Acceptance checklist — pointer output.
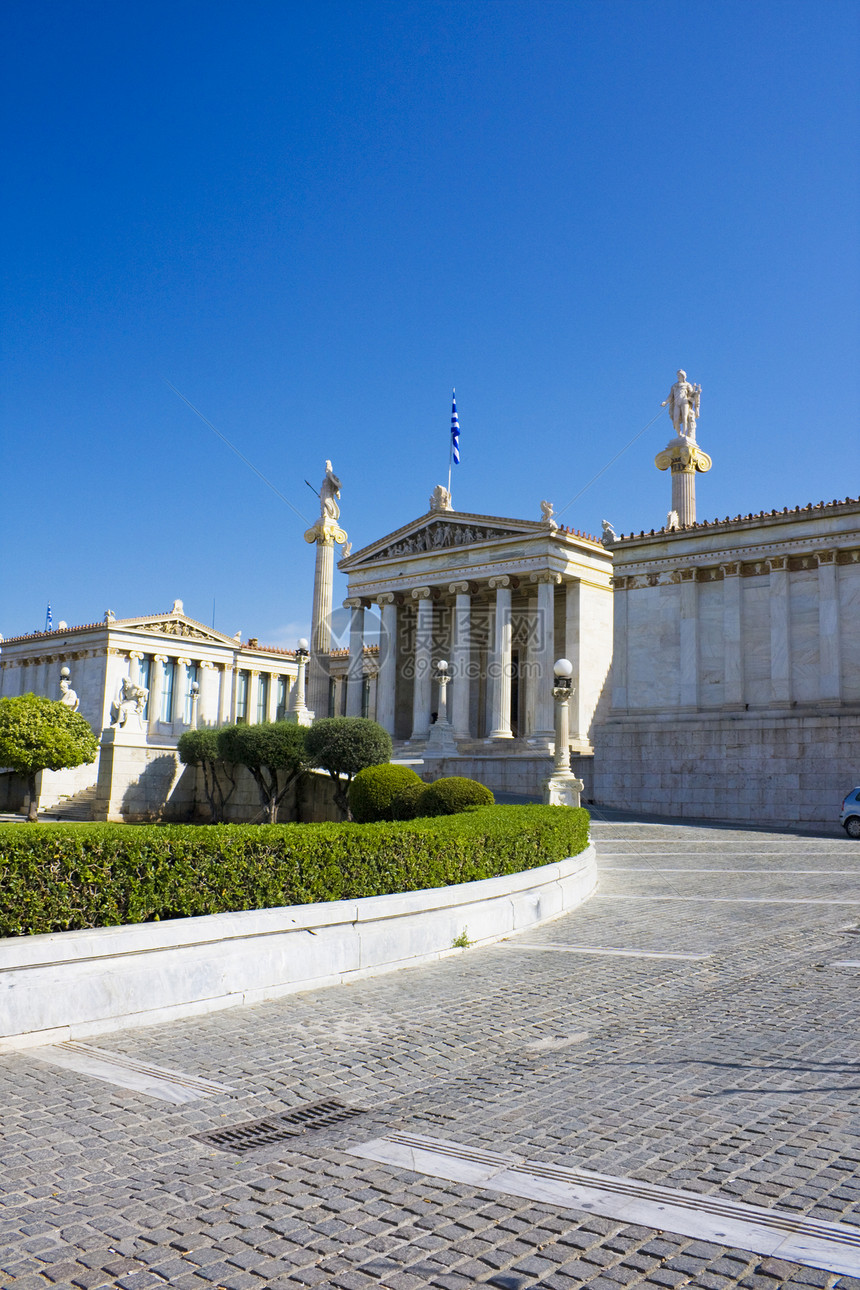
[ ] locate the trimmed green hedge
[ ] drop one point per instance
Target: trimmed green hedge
(59, 877)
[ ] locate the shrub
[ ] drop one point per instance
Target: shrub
(274, 753)
(343, 746)
(200, 748)
(39, 734)
(405, 803)
(59, 877)
(454, 794)
(373, 790)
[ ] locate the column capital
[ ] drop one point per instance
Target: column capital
(135, 653)
(184, 662)
(545, 575)
(422, 593)
(205, 663)
(386, 598)
(776, 563)
(825, 557)
(502, 580)
(354, 602)
(732, 569)
(160, 658)
(326, 534)
(619, 582)
(462, 588)
(687, 575)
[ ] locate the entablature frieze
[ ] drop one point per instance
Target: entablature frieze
(663, 572)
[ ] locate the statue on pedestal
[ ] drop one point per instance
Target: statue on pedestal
(683, 404)
(128, 707)
(68, 697)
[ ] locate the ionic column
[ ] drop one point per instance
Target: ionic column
(180, 691)
(780, 667)
(272, 698)
(461, 657)
(208, 704)
(733, 672)
(544, 653)
(134, 657)
(501, 665)
(386, 685)
(829, 659)
(253, 694)
(423, 663)
(577, 719)
(225, 698)
(326, 534)
(355, 671)
(158, 662)
(689, 639)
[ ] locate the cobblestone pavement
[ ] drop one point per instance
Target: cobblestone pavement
(736, 1074)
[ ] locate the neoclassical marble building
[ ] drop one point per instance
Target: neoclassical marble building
(498, 600)
(190, 674)
(736, 668)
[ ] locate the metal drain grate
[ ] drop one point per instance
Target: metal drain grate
(278, 1128)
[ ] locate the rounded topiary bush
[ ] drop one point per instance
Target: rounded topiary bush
(405, 804)
(373, 790)
(452, 794)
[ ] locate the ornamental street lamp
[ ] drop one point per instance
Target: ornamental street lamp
(195, 696)
(562, 788)
(441, 741)
(299, 713)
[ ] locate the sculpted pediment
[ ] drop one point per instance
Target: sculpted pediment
(440, 532)
(176, 626)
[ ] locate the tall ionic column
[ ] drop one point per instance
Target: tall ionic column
(500, 727)
(423, 663)
(461, 657)
(780, 666)
(733, 668)
(272, 697)
(134, 657)
(387, 683)
(829, 659)
(684, 459)
(158, 662)
(355, 672)
(544, 654)
(327, 534)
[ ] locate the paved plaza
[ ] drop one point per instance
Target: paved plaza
(718, 1055)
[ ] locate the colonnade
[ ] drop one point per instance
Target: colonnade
(493, 634)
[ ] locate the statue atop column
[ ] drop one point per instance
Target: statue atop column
(682, 456)
(683, 404)
(325, 534)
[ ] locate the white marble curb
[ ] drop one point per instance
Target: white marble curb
(68, 985)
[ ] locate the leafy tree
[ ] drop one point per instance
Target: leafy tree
(200, 748)
(39, 734)
(274, 753)
(343, 746)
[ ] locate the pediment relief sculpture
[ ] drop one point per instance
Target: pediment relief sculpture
(177, 627)
(441, 537)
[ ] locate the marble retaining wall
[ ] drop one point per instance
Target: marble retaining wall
(783, 770)
(69, 985)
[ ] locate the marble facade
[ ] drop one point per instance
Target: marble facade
(166, 654)
(736, 668)
(498, 599)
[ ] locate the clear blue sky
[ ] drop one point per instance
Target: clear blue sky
(315, 219)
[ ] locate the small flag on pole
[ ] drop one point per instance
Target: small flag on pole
(49, 622)
(455, 430)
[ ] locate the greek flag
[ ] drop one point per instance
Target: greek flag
(49, 622)
(455, 430)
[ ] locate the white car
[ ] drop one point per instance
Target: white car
(850, 817)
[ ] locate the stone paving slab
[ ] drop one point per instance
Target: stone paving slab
(735, 1075)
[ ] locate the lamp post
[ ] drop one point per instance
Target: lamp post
(441, 741)
(562, 788)
(299, 713)
(195, 697)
